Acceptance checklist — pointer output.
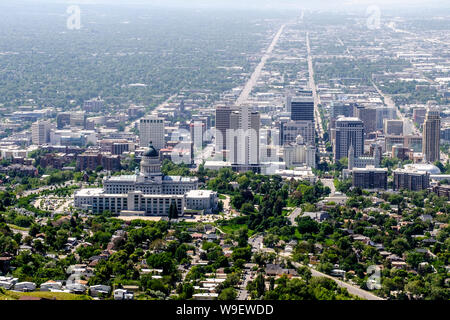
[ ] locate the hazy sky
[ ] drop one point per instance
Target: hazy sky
(271, 3)
(326, 5)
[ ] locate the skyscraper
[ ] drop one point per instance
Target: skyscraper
(40, 132)
(292, 129)
(384, 113)
(419, 114)
(243, 139)
(78, 119)
(369, 117)
(63, 119)
(342, 109)
(302, 108)
(222, 125)
(349, 132)
(431, 135)
(394, 127)
(151, 129)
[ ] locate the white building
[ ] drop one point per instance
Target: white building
(299, 154)
(25, 286)
(147, 192)
(121, 294)
(73, 137)
(299, 173)
(201, 200)
(50, 285)
(151, 129)
(40, 132)
(363, 161)
(305, 128)
(243, 137)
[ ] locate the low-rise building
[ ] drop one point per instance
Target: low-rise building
(201, 200)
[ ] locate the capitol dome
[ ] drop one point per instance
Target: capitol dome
(151, 152)
(150, 163)
(424, 167)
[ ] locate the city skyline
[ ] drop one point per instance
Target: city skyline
(221, 151)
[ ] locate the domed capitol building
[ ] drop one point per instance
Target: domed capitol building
(147, 192)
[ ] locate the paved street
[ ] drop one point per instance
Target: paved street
(243, 293)
(255, 75)
(351, 289)
(29, 192)
(293, 215)
(329, 183)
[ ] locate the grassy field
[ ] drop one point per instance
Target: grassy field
(13, 226)
(12, 295)
(232, 228)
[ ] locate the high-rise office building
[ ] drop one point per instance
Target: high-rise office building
(243, 139)
(78, 119)
(342, 109)
(408, 141)
(349, 132)
(62, 120)
(292, 129)
(302, 108)
(288, 103)
(419, 114)
(151, 129)
(40, 132)
(384, 113)
(369, 117)
(445, 134)
(222, 126)
(394, 127)
(431, 135)
(197, 129)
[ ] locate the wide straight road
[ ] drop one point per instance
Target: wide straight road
(330, 184)
(154, 111)
(312, 85)
(243, 97)
(408, 125)
(317, 117)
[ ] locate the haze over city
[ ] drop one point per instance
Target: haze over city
(216, 150)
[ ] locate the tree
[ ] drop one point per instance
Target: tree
(247, 208)
(242, 237)
(173, 211)
(271, 240)
(242, 253)
(260, 285)
(228, 294)
(162, 260)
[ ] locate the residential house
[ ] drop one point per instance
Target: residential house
(25, 286)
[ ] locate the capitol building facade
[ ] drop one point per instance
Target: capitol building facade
(148, 192)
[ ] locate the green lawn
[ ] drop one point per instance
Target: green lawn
(12, 295)
(231, 228)
(13, 226)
